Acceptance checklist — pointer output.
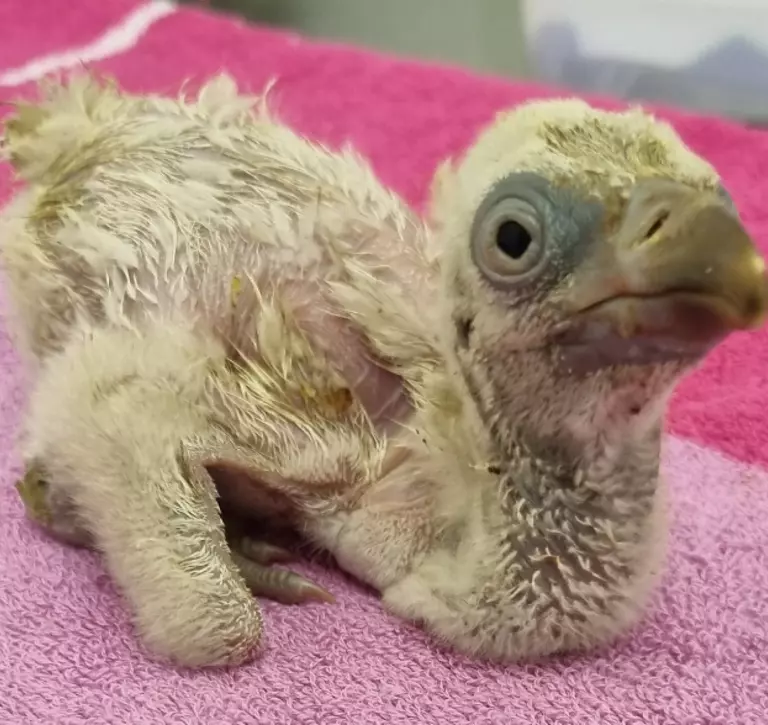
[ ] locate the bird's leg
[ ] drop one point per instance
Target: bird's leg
(253, 559)
(57, 515)
(252, 553)
(109, 422)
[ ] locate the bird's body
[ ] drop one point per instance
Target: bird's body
(207, 292)
(185, 211)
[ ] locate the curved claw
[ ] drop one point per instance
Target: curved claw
(278, 584)
(261, 552)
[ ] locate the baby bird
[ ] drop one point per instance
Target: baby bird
(468, 416)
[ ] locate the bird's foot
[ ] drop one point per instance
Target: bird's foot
(254, 559)
(50, 509)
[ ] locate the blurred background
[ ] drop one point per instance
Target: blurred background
(706, 55)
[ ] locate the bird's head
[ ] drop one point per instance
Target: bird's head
(591, 259)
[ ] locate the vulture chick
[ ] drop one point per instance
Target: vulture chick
(225, 316)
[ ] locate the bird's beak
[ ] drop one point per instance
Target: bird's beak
(678, 275)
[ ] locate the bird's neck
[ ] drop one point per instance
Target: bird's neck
(610, 468)
(585, 507)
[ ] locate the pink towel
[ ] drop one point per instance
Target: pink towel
(67, 654)
(31, 29)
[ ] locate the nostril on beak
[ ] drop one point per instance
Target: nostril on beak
(656, 226)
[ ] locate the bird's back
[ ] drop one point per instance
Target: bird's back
(205, 211)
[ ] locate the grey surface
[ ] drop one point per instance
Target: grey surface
(729, 78)
(486, 35)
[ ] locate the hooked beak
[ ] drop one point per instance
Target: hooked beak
(680, 275)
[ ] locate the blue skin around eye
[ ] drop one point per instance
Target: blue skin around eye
(570, 225)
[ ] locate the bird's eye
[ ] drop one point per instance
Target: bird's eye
(507, 242)
(513, 239)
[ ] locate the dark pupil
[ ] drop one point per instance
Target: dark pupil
(513, 239)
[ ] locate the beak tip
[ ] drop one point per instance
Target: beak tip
(757, 302)
(744, 293)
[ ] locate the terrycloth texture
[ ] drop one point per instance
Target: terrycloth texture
(31, 29)
(67, 654)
